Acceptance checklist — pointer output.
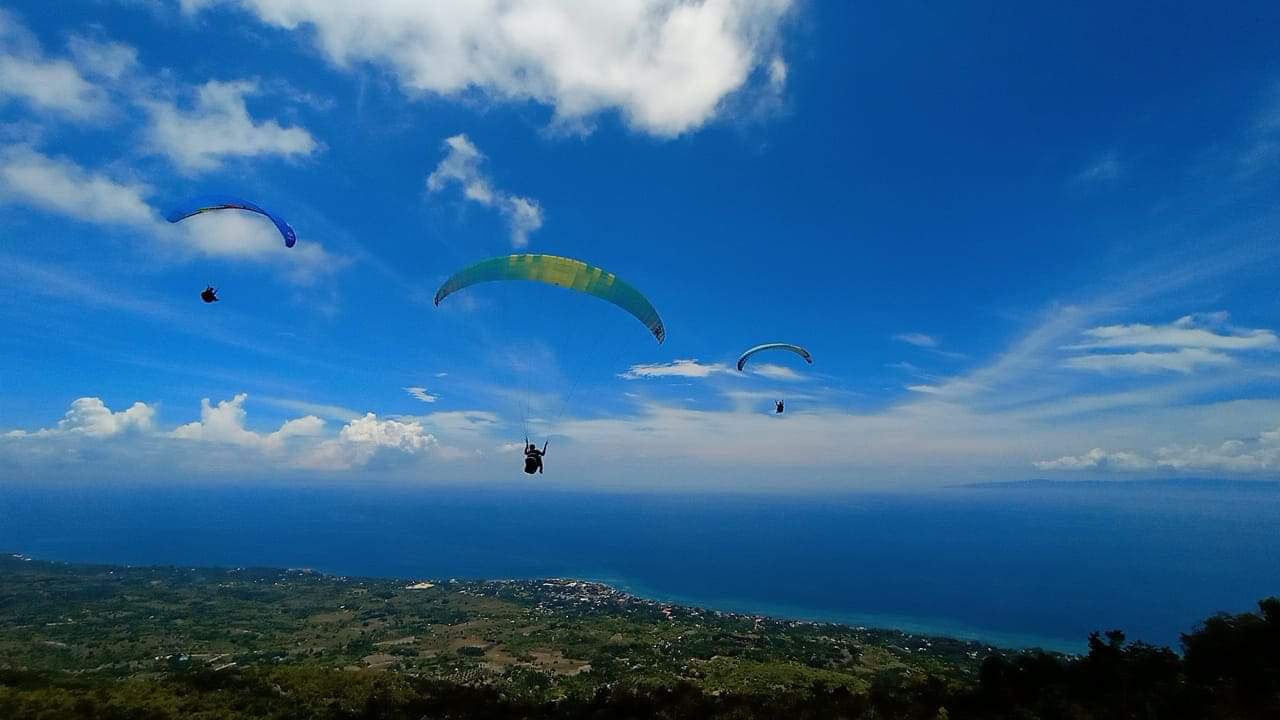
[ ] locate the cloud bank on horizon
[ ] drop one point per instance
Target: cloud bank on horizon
(1114, 317)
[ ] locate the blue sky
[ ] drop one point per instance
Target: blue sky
(1018, 242)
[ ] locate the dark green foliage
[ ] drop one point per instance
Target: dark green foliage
(1230, 669)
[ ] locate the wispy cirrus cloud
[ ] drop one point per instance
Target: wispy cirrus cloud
(1185, 360)
(1105, 169)
(927, 343)
(420, 393)
(917, 339)
(1190, 331)
(1187, 344)
(775, 372)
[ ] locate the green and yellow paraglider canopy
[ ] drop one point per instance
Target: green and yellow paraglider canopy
(563, 272)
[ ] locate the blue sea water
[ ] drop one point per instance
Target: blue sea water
(1015, 565)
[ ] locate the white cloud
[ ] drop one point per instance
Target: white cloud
(777, 73)
(45, 84)
(222, 439)
(667, 67)
(225, 423)
(1259, 454)
(110, 60)
(219, 126)
(917, 339)
(1186, 360)
(1262, 148)
(677, 368)
(302, 442)
(59, 185)
(368, 439)
(1098, 459)
(91, 417)
(461, 167)
(421, 393)
(1186, 332)
(409, 437)
(1105, 169)
(775, 372)
(1186, 345)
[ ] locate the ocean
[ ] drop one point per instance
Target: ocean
(1038, 564)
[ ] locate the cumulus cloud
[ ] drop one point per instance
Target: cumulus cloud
(1098, 459)
(225, 423)
(90, 416)
(1259, 454)
(409, 437)
(45, 84)
(303, 442)
(61, 186)
(666, 67)
(678, 368)
(421, 393)
(461, 167)
(367, 440)
(219, 126)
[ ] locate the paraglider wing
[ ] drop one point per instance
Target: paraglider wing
(742, 361)
(563, 272)
(226, 202)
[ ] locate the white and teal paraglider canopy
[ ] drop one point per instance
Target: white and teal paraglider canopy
(742, 361)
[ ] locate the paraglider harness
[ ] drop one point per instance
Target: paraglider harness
(210, 294)
(533, 457)
(779, 408)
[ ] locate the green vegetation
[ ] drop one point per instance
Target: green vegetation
(115, 642)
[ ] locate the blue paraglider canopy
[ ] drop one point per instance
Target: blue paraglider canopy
(210, 203)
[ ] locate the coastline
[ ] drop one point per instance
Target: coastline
(916, 626)
(921, 628)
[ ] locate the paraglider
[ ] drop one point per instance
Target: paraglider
(226, 202)
(562, 272)
(778, 406)
(533, 457)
